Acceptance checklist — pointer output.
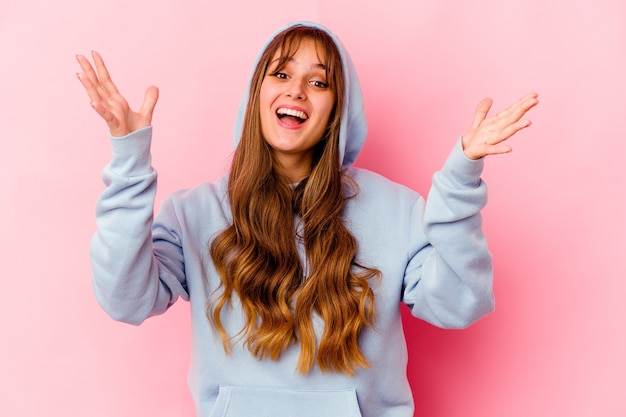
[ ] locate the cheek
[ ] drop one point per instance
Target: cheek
(265, 104)
(328, 109)
(263, 96)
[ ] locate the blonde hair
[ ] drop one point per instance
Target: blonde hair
(257, 256)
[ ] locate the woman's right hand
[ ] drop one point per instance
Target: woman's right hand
(109, 103)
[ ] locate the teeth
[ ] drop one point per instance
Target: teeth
(290, 112)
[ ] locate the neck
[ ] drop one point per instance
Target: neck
(295, 169)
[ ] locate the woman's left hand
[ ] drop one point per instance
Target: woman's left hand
(487, 133)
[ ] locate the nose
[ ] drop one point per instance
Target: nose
(295, 89)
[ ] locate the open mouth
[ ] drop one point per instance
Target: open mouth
(291, 117)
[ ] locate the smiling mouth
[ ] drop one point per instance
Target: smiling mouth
(291, 116)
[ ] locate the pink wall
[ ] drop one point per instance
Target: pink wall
(555, 345)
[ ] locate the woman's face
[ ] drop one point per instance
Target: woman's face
(295, 106)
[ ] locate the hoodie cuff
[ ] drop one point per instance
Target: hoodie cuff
(463, 169)
(131, 153)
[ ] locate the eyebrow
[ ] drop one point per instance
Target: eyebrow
(319, 65)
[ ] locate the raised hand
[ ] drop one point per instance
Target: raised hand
(487, 133)
(109, 103)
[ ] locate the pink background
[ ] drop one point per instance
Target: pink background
(556, 345)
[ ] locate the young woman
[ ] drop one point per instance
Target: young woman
(295, 264)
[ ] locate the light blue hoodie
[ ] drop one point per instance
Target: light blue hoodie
(432, 254)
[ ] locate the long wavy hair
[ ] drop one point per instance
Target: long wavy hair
(257, 256)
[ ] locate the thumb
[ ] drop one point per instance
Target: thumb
(481, 112)
(149, 102)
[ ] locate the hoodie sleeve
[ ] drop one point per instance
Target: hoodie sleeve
(135, 275)
(448, 281)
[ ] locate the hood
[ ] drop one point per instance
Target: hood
(353, 122)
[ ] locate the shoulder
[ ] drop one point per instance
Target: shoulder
(375, 186)
(202, 190)
(198, 212)
(206, 197)
(382, 211)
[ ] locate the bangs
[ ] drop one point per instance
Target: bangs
(288, 43)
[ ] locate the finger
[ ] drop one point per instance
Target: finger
(524, 104)
(516, 111)
(530, 101)
(530, 97)
(481, 112)
(480, 150)
(90, 88)
(90, 73)
(103, 74)
(514, 128)
(149, 102)
(498, 150)
(88, 70)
